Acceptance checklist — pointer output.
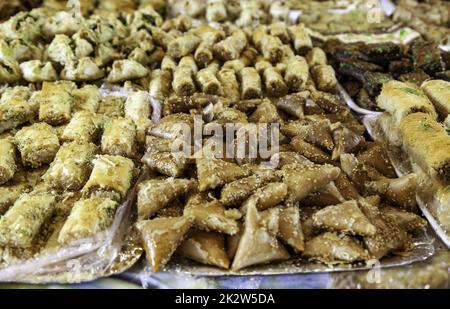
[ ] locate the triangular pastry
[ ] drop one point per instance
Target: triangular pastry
(161, 237)
(332, 248)
(213, 172)
(344, 217)
(155, 194)
(257, 244)
(210, 214)
(205, 247)
(303, 180)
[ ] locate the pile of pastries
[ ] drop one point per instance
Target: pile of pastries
(417, 120)
(362, 68)
(71, 153)
(431, 18)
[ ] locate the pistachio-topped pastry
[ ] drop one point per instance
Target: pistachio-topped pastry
(123, 70)
(8, 165)
(38, 144)
(111, 177)
(87, 218)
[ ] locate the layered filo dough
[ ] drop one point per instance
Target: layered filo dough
(428, 144)
(56, 102)
(401, 99)
(69, 152)
(22, 223)
(37, 144)
(111, 177)
(8, 165)
(438, 91)
(72, 165)
(14, 111)
(83, 127)
(87, 218)
(119, 137)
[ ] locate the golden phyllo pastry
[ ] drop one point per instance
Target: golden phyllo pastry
(22, 223)
(155, 194)
(161, 237)
(205, 247)
(84, 127)
(55, 102)
(8, 165)
(438, 91)
(428, 144)
(258, 243)
(213, 172)
(401, 99)
(209, 214)
(88, 218)
(303, 180)
(119, 137)
(72, 165)
(345, 217)
(110, 178)
(38, 144)
(331, 248)
(123, 70)
(15, 111)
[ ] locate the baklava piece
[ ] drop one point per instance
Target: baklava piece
(55, 102)
(236, 192)
(123, 70)
(331, 248)
(290, 229)
(258, 243)
(8, 165)
(110, 178)
(401, 99)
(72, 165)
(15, 111)
(297, 73)
(161, 237)
(83, 127)
(427, 142)
(86, 98)
(205, 247)
(119, 137)
(155, 194)
(303, 180)
(24, 220)
(38, 144)
(213, 172)
(210, 215)
(88, 218)
(34, 71)
(345, 217)
(438, 91)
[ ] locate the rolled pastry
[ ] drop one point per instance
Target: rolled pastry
(110, 178)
